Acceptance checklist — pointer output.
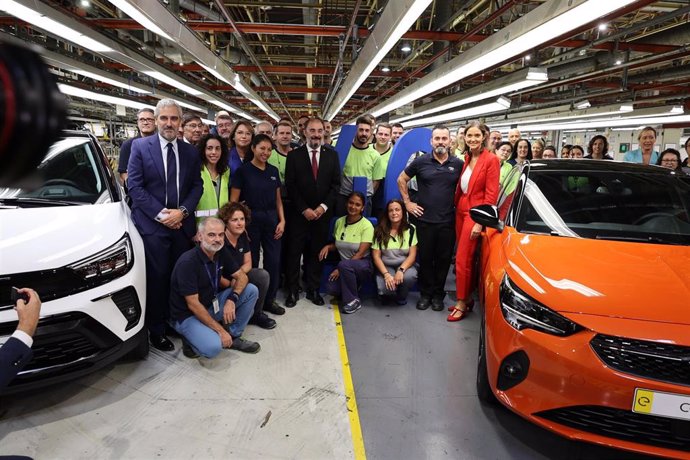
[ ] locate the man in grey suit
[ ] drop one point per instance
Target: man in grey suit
(165, 186)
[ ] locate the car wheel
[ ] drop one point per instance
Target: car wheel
(484, 391)
(141, 351)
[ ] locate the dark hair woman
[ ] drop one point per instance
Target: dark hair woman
(214, 174)
(598, 148)
(521, 152)
(240, 141)
(670, 158)
(257, 184)
(394, 253)
(353, 234)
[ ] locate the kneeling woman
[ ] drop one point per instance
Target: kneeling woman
(353, 234)
(394, 252)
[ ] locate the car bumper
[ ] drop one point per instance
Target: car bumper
(567, 389)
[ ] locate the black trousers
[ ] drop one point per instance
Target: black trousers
(435, 251)
(310, 237)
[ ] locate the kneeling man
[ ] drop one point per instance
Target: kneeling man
(206, 308)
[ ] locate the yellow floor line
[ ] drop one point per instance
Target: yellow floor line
(351, 401)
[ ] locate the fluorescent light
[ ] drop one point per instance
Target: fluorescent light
(78, 92)
(134, 13)
(215, 73)
(191, 106)
(109, 81)
(208, 122)
(499, 104)
(664, 117)
(583, 105)
(52, 27)
(389, 28)
(385, 68)
(471, 63)
(602, 27)
(406, 48)
(626, 108)
(172, 82)
(525, 79)
(677, 109)
(222, 105)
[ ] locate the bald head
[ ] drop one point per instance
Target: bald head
(513, 135)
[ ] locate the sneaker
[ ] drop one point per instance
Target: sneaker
(352, 306)
(245, 346)
(275, 309)
(263, 321)
(188, 351)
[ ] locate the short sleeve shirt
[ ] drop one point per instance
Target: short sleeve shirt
(125, 152)
(195, 273)
(278, 160)
(397, 249)
(436, 184)
(349, 236)
(382, 164)
(236, 253)
(258, 187)
(361, 163)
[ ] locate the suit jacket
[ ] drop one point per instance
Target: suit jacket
(303, 190)
(483, 186)
(146, 182)
(14, 355)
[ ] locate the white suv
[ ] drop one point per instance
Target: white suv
(69, 236)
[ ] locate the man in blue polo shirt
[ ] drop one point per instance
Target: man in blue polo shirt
(437, 177)
(206, 308)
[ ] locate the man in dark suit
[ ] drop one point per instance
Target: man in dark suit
(312, 178)
(165, 187)
(16, 352)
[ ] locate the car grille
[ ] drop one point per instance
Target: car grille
(59, 350)
(626, 425)
(653, 360)
(50, 284)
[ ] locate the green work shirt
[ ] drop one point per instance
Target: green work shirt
(349, 236)
(361, 163)
(398, 248)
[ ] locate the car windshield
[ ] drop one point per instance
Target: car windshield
(68, 175)
(625, 206)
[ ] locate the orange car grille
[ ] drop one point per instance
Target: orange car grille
(653, 360)
(624, 424)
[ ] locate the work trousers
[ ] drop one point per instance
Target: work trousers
(434, 253)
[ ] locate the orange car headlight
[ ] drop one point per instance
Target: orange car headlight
(523, 312)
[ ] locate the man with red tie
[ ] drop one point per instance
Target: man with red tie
(312, 178)
(165, 187)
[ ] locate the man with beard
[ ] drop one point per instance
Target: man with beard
(362, 161)
(437, 177)
(312, 177)
(206, 308)
(192, 127)
(327, 130)
(224, 126)
(146, 124)
(301, 126)
(165, 187)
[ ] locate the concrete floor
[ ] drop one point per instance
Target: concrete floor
(413, 375)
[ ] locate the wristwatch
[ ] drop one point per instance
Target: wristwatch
(185, 213)
(401, 270)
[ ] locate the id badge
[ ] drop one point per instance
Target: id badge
(216, 305)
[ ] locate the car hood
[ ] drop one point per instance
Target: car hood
(34, 239)
(607, 278)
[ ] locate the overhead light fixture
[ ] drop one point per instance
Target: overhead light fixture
(405, 48)
(385, 68)
(85, 3)
(135, 13)
(513, 40)
(677, 109)
(603, 27)
(51, 26)
(507, 84)
(644, 121)
(84, 94)
(631, 119)
(583, 105)
(208, 122)
(502, 103)
(110, 81)
(191, 106)
(626, 108)
(396, 19)
(222, 105)
(619, 62)
(528, 58)
(172, 82)
(215, 73)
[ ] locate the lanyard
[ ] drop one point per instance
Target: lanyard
(214, 282)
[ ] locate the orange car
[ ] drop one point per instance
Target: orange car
(585, 280)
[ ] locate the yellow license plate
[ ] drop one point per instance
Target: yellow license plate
(663, 404)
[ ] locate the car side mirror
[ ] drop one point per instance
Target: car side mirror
(487, 215)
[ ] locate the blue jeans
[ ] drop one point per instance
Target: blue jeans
(204, 340)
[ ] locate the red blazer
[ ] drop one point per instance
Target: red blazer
(483, 186)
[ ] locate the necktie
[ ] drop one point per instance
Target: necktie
(171, 197)
(314, 164)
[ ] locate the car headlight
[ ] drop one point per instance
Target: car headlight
(107, 264)
(523, 312)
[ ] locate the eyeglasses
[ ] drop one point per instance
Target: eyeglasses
(670, 161)
(224, 125)
(147, 120)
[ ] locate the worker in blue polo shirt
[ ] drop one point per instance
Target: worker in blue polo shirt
(437, 177)
(208, 309)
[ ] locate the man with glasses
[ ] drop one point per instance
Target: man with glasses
(224, 125)
(147, 126)
(192, 127)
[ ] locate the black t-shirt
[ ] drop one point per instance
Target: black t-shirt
(125, 151)
(236, 253)
(258, 188)
(436, 183)
(193, 274)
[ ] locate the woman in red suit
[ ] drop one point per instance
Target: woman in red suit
(478, 185)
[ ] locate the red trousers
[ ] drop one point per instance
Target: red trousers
(464, 254)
